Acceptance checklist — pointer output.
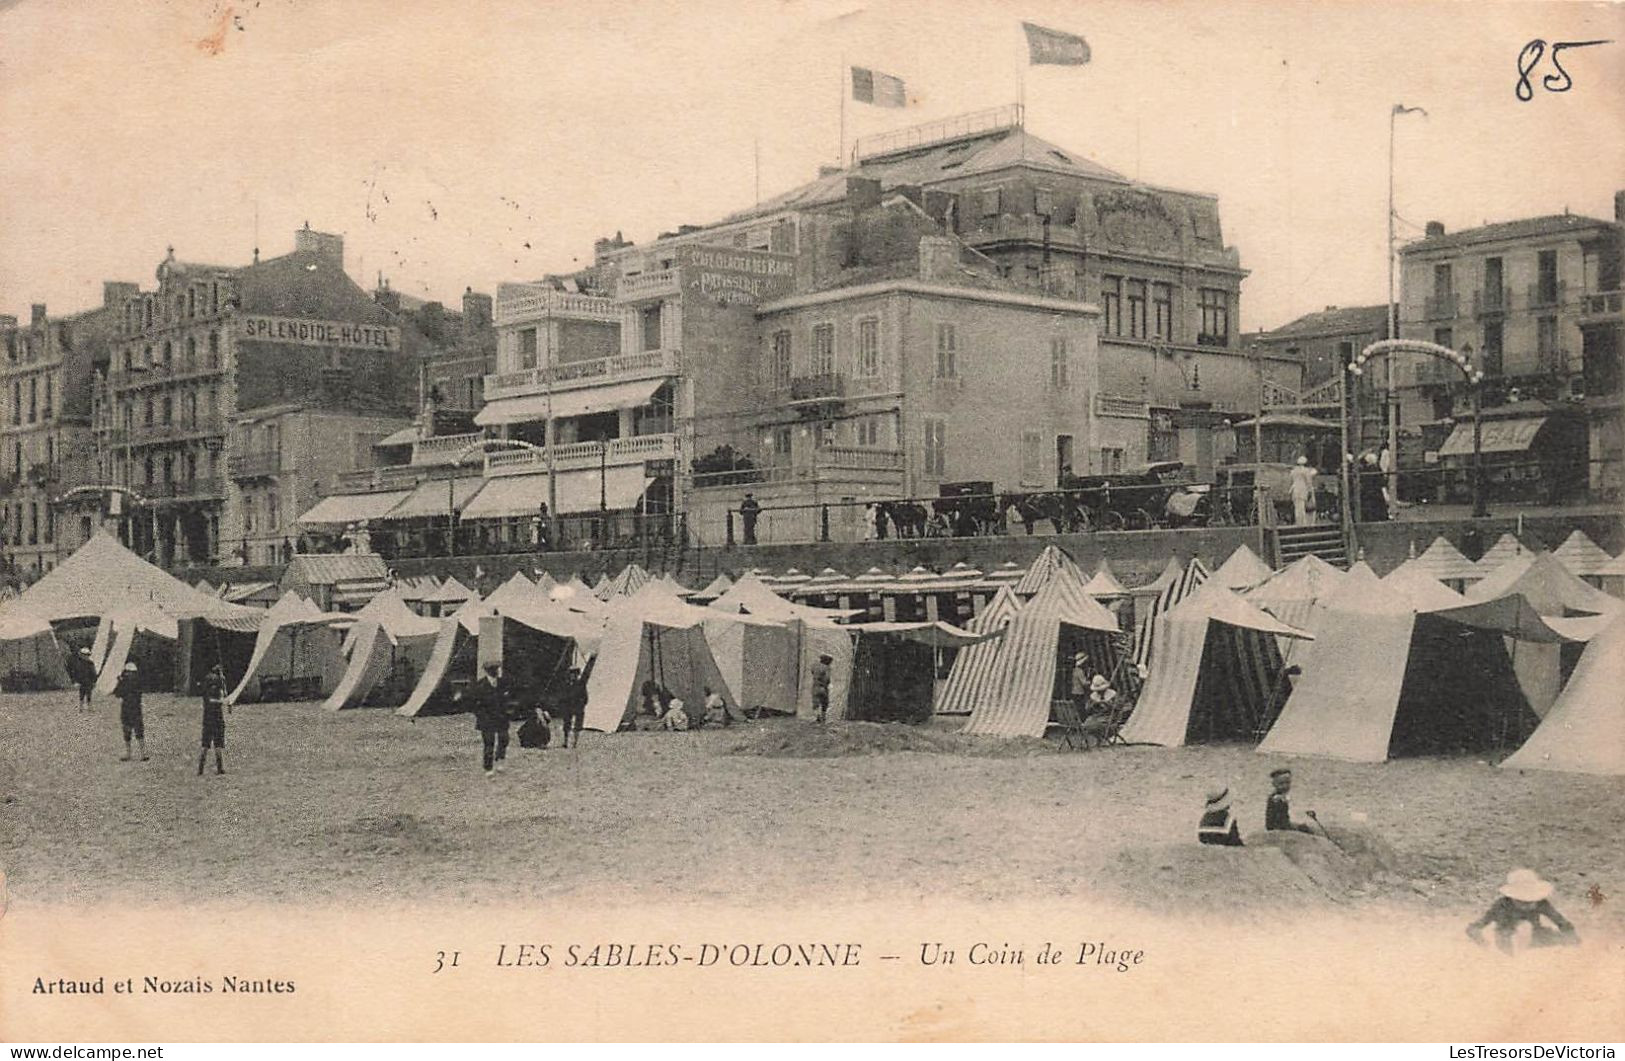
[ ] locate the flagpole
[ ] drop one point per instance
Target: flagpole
(840, 148)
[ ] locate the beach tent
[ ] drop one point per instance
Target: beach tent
(1584, 732)
(536, 642)
(1006, 574)
(1612, 576)
(630, 579)
(448, 598)
(805, 633)
(713, 589)
(1291, 593)
(1552, 591)
(1044, 567)
(1242, 570)
(257, 594)
(103, 576)
(1582, 556)
(341, 582)
(894, 668)
(413, 589)
(1172, 586)
(518, 590)
(387, 649)
(1506, 547)
(298, 654)
(1218, 672)
(653, 636)
(143, 633)
(1103, 583)
(202, 641)
(973, 668)
(1035, 659)
(451, 665)
(30, 656)
(1447, 564)
(1389, 677)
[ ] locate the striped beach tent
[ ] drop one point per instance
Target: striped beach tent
(631, 579)
(1044, 568)
(1582, 556)
(1016, 698)
(1176, 589)
(1292, 594)
(1218, 675)
(973, 668)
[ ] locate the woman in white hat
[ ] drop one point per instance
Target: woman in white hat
(1524, 898)
(1303, 492)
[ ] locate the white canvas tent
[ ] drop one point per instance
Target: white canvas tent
(517, 590)
(1447, 564)
(388, 648)
(1172, 586)
(1506, 547)
(1582, 556)
(1217, 675)
(452, 662)
(1292, 593)
(297, 643)
(1018, 693)
(30, 656)
(1103, 583)
(809, 633)
(1584, 732)
(1242, 570)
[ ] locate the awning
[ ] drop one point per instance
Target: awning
(406, 436)
(511, 496)
(352, 508)
(582, 402)
(358, 591)
(429, 499)
(1500, 436)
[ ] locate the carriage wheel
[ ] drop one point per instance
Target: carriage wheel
(1139, 519)
(1112, 521)
(1081, 521)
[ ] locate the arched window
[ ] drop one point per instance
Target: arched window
(169, 409)
(191, 352)
(169, 352)
(191, 409)
(214, 349)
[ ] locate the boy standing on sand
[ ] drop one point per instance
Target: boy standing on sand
(820, 680)
(214, 719)
(128, 691)
(83, 673)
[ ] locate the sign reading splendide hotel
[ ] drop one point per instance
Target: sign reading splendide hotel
(319, 333)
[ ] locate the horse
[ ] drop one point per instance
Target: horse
(907, 518)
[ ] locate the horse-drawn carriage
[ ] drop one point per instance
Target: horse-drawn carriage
(1155, 495)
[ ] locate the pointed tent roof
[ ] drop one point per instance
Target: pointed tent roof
(1444, 561)
(1581, 555)
(450, 592)
(1307, 578)
(715, 588)
(1242, 570)
(1421, 589)
(390, 612)
(1103, 583)
(544, 581)
(1214, 602)
(1506, 547)
(1171, 572)
(1549, 586)
(469, 613)
(517, 590)
(1584, 731)
(1044, 568)
(630, 579)
(1016, 698)
(1361, 590)
(755, 598)
(1007, 573)
(103, 576)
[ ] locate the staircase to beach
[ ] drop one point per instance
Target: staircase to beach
(1325, 541)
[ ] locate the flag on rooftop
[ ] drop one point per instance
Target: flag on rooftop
(882, 90)
(1051, 47)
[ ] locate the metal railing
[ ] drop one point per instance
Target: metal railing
(254, 465)
(826, 462)
(984, 121)
(1545, 294)
(1492, 300)
(570, 374)
(1594, 303)
(1444, 305)
(822, 387)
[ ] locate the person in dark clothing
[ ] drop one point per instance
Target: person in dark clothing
(1278, 812)
(214, 719)
(573, 705)
(128, 691)
(820, 682)
(1373, 498)
(1218, 825)
(82, 672)
(487, 700)
(749, 511)
(1524, 898)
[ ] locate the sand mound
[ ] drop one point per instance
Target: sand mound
(802, 740)
(1276, 870)
(393, 834)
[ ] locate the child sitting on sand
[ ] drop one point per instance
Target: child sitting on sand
(1218, 825)
(676, 716)
(1278, 812)
(1524, 898)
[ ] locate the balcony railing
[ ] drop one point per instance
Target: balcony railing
(255, 465)
(545, 303)
(184, 488)
(160, 373)
(443, 449)
(178, 429)
(572, 374)
(1112, 405)
(1444, 305)
(574, 455)
(820, 388)
(1545, 294)
(846, 457)
(1597, 303)
(1492, 300)
(648, 284)
(392, 477)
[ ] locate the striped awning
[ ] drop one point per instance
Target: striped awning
(358, 591)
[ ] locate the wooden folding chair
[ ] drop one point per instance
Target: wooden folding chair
(1065, 713)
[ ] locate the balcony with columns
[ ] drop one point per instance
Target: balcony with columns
(569, 456)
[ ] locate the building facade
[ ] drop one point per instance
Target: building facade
(211, 343)
(46, 441)
(1536, 303)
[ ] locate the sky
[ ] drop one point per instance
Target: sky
(469, 143)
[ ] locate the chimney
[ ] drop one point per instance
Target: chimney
(1619, 207)
(476, 313)
(602, 248)
(324, 245)
(37, 315)
(939, 258)
(1435, 229)
(7, 322)
(1328, 309)
(862, 193)
(432, 318)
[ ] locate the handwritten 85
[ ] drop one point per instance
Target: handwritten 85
(1529, 58)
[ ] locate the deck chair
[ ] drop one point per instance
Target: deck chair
(1065, 713)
